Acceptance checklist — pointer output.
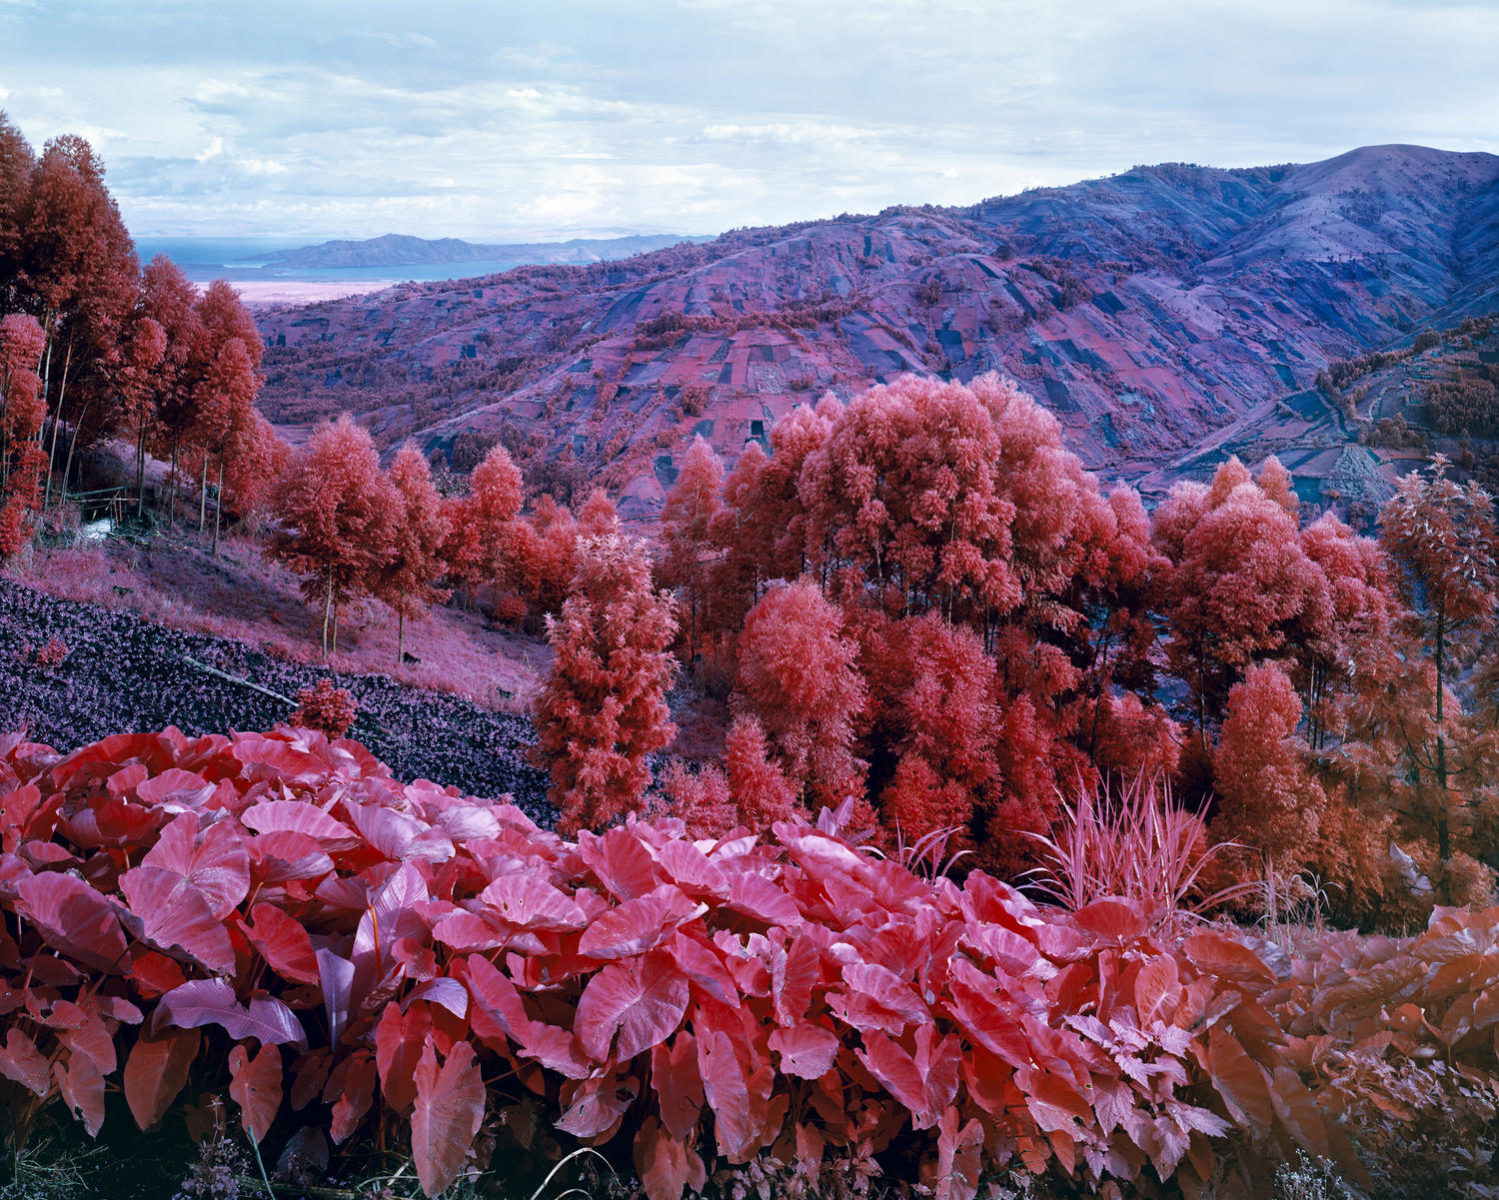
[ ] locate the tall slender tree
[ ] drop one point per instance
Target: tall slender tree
(602, 711)
(407, 581)
(336, 511)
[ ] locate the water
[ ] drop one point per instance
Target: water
(205, 259)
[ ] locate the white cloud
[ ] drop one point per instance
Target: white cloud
(698, 115)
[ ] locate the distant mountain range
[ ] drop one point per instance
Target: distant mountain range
(400, 250)
(1166, 315)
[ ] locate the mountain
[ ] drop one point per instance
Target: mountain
(1160, 313)
(397, 250)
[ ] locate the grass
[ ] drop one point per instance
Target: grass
(170, 578)
(1129, 839)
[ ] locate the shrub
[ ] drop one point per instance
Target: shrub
(325, 708)
(277, 907)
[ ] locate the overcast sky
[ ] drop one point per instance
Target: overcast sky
(498, 120)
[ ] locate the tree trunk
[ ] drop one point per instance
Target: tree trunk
(203, 496)
(218, 508)
(62, 391)
(140, 470)
(327, 611)
(400, 639)
(67, 466)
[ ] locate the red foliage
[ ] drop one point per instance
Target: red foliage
(478, 524)
(338, 513)
(541, 553)
(761, 792)
(688, 561)
(934, 714)
(406, 581)
(602, 710)
(797, 677)
(328, 709)
(1240, 584)
(1268, 798)
(700, 1000)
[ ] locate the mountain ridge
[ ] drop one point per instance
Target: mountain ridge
(1148, 310)
(400, 250)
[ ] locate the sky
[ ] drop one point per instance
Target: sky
(501, 120)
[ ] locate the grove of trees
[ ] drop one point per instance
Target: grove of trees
(919, 608)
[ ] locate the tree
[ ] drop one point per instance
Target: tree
(336, 510)
(1240, 587)
(933, 715)
(406, 581)
(902, 500)
(603, 711)
(759, 788)
(17, 163)
(541, 555)
(78, 275)
(598, 517)
(22, 412)
(762, 530)
(798, 678)
(1268, 798)
(479, 523)
(226, 368)
(165, 409)
(1443, 539)
(688, 558)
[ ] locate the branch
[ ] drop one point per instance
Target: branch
(228, 678)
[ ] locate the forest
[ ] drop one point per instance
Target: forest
(1035, 834)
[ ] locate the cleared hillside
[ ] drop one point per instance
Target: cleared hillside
(1149, 310)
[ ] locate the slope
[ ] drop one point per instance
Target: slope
(1149, 310)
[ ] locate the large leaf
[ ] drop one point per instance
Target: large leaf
(400, 1039)
(255, 1085)
(448, 1112)
(175, 790)
(638, 925)
(214, 860)
(666, 1164)
(283, 943)
(297, 816)
(156, 1072)
(168, 912)
(643, 1002)
(22, 1062)
(200, 1002)
(1157, 990)
(336, 978)
(1240, 1081)
(1220, 955)
(82, 1086)
(73, 918)
(527, 901)
(806, 1051)
(678, 1086)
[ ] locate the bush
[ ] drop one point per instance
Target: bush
(325, 708)
(278, 903)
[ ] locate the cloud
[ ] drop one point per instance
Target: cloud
(698, 115)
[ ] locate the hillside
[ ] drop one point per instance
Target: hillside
(397, 250)
(1150, 311)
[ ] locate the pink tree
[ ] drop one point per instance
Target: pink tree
(602, 711)
(406, 581)
(337, 515)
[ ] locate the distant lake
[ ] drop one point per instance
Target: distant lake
(205, 259)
